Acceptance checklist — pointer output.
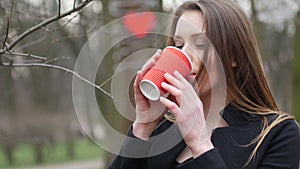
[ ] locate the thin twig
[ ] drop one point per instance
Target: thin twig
(1, 63)
(69, 37)
(114, 75)
(27, 55)
(46, 22)
(12, 9)
(48, 47)
(7, 31)
(8, 23)
(59, 8)
(74, 4)
(107, 80)
(56, 59)
(10, 15)
(59, 68)
(64, 25)
(33, 42)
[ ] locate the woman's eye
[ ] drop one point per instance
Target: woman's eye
(199, 46)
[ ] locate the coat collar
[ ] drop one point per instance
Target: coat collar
(235, 117)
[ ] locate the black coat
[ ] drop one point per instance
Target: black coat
(279, 150)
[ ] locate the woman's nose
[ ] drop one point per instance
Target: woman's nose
(188, 51)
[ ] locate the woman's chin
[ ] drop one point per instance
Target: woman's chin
(191, 78)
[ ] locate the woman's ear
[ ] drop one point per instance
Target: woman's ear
(234, 63)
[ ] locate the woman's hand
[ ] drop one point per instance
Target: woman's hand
(188, 111)
(148, 113)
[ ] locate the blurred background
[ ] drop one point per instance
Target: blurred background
(38, 124)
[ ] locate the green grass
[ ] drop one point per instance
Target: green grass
(24, 154)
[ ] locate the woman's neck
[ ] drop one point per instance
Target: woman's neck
(214, 104)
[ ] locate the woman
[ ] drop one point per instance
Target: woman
(251, 132)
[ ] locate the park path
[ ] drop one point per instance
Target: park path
(87, 164)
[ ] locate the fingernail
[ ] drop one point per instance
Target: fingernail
(176, 72)
(158, 51)
(162, 98)
(167, 75)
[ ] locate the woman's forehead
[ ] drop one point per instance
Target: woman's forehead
(189, 24)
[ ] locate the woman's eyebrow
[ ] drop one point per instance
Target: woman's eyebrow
(177, 37)
(195, 35)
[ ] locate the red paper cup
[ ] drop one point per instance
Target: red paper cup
(171, 59)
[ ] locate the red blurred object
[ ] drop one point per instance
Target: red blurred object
(139, 24)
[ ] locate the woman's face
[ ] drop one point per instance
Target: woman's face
(189, 36)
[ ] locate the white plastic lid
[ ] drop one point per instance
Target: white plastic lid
(149, 90)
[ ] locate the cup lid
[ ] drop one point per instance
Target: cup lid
(149, 89)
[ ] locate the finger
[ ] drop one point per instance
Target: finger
(173, 81)
(171, 89)
(179, 77)
(173, 107)
(157, 54)
(152, 60)
(136, 87)
(184, 83)
(150, 63)
(137, 80)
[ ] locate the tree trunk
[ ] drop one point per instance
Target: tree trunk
(70, 149)
(129, 45)
(8, 149)
(39, 153)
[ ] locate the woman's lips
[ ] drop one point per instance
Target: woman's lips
(191, 76)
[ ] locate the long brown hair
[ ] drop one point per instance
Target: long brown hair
(229, 30)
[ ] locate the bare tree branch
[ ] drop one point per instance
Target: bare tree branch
(6, 50)
(56, 59)
(46, 22)
(27, 55)
(12, 8)
(45, 65)
(107, 80)
(8, 19)
(253, 10)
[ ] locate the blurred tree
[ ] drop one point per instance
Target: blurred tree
(273, 32)
(36, 104)
(114, 9)
(296, 69)
(34, 109)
